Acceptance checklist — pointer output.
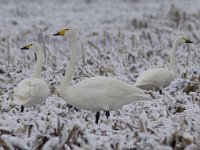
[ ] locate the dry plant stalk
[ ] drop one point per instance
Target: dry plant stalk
(129, 126)
(93, 58)
(53, 60)
(3, 144)
(188, 49)
(83, 54)
(72, 137)
(133, 41)
(4, 131)
(41, 140)
(29, 130)
(104, 39)
(142, 126)
(142, 53)
(115, 146)
(59, 129)
(37, 125)
(86, 73)
(94, 46)
(44, 47)
(8, 50)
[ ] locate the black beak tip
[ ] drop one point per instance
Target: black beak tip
(188, 41)
(23, 48)
(56, 34)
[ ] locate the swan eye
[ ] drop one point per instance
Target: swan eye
(29, 45)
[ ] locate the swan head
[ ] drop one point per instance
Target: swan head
(182, 40)
(32, 46)
(64, 32)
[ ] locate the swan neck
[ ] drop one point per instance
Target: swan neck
(173, 65)
(69, 71)
(38, 66)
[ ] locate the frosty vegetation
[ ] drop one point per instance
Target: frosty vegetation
(118, 39)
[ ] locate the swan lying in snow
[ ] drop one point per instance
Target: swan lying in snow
(158, 78)
(96, 93)
(34, 90)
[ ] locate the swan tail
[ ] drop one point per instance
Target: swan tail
(129, 100)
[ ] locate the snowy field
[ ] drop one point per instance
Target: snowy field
(116, 38)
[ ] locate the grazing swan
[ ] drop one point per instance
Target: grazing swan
(158, 78)
(34, 90)
(96, 93)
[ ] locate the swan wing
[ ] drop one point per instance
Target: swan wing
(154, 78)
(26, 90)
(124, 96)
(129, 99)
(103, 93)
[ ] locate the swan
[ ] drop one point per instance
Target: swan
(34, 90)
(158, 78)
(95, 93)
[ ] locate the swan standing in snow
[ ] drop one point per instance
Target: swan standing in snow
(34, 90)
(158, 78)
(96, 93)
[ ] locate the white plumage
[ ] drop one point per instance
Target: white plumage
(158, 78)
(34, 90)
(97, 93)
(30, 92)
(102, 93)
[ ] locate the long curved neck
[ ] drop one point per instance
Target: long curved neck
(71, 67)
(173, 65)
(38, 66)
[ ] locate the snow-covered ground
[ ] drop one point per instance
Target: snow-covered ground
(116, 38)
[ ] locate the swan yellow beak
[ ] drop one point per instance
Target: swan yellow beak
(26, 47)
(61, 32)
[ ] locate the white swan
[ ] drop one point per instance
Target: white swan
(158, 78)
(34, 90)
(96, 93)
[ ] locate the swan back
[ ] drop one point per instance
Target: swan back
(102, 93)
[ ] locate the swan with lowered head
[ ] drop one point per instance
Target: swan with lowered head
(34, 90)
(96, 93)
(158, 78)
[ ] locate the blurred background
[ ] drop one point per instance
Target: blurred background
(116, 38)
